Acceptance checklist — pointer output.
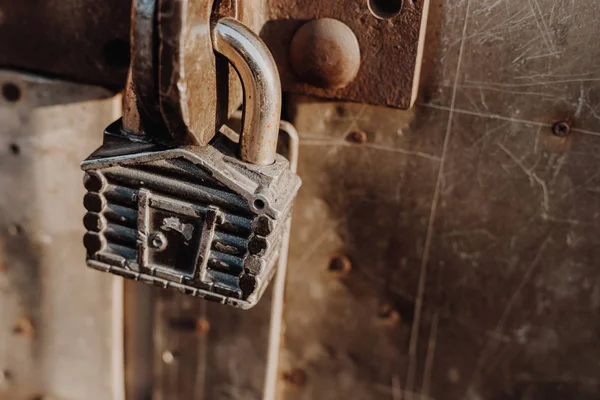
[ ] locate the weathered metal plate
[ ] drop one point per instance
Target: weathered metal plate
(60, 324)
(208, 351)
(471, 228)
(390, 53)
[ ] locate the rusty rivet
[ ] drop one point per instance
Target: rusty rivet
(295, 376)
(387, 313)
(561, 129)
(358, 137)
(168, 357)
(340, 111)
(202, 326)
(5, 377)
(325, 53)
(24, 327)
(340, 266)
(16, 230)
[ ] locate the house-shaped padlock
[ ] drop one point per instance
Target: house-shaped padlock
(197, 219)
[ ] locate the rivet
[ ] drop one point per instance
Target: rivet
(202, 326)
(357, 137)
(387, 313)
(325, 53)
(5, 377)
(16, 230)
(24, 327)
(168, 357)
(340, 266)
(295, 376)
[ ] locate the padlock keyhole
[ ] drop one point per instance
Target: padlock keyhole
(259, 204)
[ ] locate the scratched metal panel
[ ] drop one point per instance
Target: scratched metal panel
(471, 229)
(56, 320)
(209, 351)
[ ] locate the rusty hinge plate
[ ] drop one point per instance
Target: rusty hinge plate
(390, 35)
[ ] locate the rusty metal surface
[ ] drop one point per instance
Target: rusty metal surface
(326, 53)
(186, 70)
(84, 41)
(88, 42)
(210, 358)
(56, 317)
(141, 107)
(446, 252)
(389, 48)
(471, 226)
(179, 90)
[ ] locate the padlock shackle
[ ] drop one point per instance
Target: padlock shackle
(262, 88)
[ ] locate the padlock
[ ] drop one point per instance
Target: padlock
(207, 221)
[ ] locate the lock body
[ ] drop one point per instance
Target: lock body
(196, 219)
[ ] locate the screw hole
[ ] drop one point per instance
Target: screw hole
(16, 230)
(295, 377)
(357, 137)
(561, 129)
(24, 327)
(259, 204)
(117, 53)
(340, 266)
(5, 376)
(15, 149)
(11, 92)
(385, 9)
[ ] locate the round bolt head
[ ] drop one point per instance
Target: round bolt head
(325, 53)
